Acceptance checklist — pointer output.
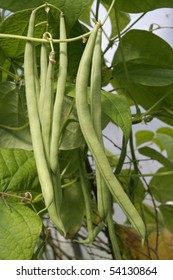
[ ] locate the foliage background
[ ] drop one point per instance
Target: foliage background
(142, 74)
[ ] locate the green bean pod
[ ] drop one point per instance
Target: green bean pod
(57, 111)
(46, 120)
(87, 200)
(43, 74)
(37, 141)
(37, 83)
(92, 140)
(103, 193)
(44, 174)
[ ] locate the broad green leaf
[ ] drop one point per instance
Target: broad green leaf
(85, 16)
(75, 50)
(161, 186)
(112, 158)
(144, 48)
(167, 213)
(136, 6)
(165, 142)
(14, 131)
(9, 102)
(147, 75)
(123, 18)
(15, 47)
(133, 187)
(16, 139)
(158, 98)
(148, 58)
(20, 228)
(165, 130)
(72, 137)
(116, 107)
(73, 209)
(153, 154)
(72, 9)
(13, 112)
(150, 215)
(143, 136)
(14, 6)
(68, 162)
(18, 172)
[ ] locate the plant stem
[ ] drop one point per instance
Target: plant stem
(13, 76)
(108, 13)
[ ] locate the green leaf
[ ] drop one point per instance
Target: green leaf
(9, 100)
(73, 209)
(13, 110)
(123, 18)
(85, 16)
(136, 6)
(165, 142)
(16, 139)
(165, 130)
(15, 47)
(147, 75)
(150, 215)
(14, 132)
(18, 172)
(72, 9)
(19, 5)
(133, 187)
(68, 162)
(143, 136)
(161, 186)
(20, 228)
(75, 50)
(148, 58)
(116, 107)
(144, 49)
(167, 213)
(153, 154)
(72, 137)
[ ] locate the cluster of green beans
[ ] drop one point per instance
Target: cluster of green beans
(42, 112)
(45, 120)
(107, 182)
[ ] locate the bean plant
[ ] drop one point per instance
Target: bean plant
(58, 95)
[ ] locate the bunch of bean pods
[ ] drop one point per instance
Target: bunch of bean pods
(45, 114)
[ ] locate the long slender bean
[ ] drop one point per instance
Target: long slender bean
(112, 236)
(57, 111)
(92, 141)
(43, 74)
(103, 193)
(43, 169)
(37, 83)
(87, 199)
(46, 120)
(104, 198)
